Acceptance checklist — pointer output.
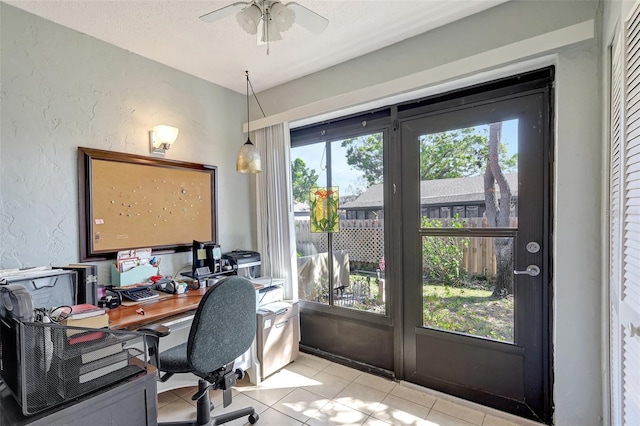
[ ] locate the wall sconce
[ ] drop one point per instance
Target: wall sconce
(161, 138)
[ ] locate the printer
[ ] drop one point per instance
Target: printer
(245, 262)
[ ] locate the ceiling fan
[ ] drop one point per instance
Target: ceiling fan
(269, 18)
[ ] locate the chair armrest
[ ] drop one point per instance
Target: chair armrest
(152, 334)
(157, 330)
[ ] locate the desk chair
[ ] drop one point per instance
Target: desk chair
(223, 328)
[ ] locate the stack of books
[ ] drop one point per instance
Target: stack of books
(86, 316)
(89, 365)
(92, 357)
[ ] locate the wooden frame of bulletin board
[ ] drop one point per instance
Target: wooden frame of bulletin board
(130, 201)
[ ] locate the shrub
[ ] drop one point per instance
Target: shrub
(442, 256)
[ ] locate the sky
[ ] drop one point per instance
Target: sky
(351, 181)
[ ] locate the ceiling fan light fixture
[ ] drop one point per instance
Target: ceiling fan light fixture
(268, 33)
(249, 18)
(268, 18)
(282, 16)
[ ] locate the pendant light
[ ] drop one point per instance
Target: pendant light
(248, 157)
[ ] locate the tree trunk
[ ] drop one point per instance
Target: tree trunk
(499, 213)
(504, 267)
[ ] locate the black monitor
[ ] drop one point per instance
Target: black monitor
(206, 258)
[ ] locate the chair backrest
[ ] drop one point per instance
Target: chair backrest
(224, 325)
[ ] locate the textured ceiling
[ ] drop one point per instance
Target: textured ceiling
(169, 32)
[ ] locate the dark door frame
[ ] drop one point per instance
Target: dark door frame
(325, 323)
(539, 82)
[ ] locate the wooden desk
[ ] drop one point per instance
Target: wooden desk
(125, 317)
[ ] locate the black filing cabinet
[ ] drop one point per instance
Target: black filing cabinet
(278, 336)
(132, 402)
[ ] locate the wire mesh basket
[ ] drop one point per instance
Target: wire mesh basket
(45, 364)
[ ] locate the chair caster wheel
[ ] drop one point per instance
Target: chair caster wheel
(254, 418)
(239, 373)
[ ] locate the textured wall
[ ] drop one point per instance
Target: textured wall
(61, 90)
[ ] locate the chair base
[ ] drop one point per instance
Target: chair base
(204, 408)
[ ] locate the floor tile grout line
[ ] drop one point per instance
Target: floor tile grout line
(325, 369)
(460, 418)
(386, 394)
(284, 414)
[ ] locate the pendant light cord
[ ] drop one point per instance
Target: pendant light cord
(269, 260)
(248, 117)
(254, 95)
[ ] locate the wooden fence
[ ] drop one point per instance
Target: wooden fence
(364, 240)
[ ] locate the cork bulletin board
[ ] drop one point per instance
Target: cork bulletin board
(131, 201)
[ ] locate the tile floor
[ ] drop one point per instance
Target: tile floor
(313, 391)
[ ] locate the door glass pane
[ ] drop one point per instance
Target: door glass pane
(453, 168)
(469, 180)
(313, 276)
(357, 169)
(462, 288)
(308, 169)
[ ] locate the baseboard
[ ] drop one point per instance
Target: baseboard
(348, 362)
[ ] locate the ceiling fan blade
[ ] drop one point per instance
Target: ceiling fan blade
(223, 12)
(308, 18)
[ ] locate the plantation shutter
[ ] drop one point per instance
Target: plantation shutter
(614, 225)
(629, 313)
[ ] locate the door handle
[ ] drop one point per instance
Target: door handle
(532, 270)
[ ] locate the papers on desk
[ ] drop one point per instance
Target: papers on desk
(267, 281)
(129, 259)
(277, 308)
(9, 275)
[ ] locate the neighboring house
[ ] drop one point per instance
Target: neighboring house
(441, 198)
(301, 210)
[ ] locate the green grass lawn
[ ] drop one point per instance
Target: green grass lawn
(469, 310)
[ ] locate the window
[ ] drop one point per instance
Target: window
(458, 211)
(355, 277)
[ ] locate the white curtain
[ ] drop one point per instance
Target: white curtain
(276, 234)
